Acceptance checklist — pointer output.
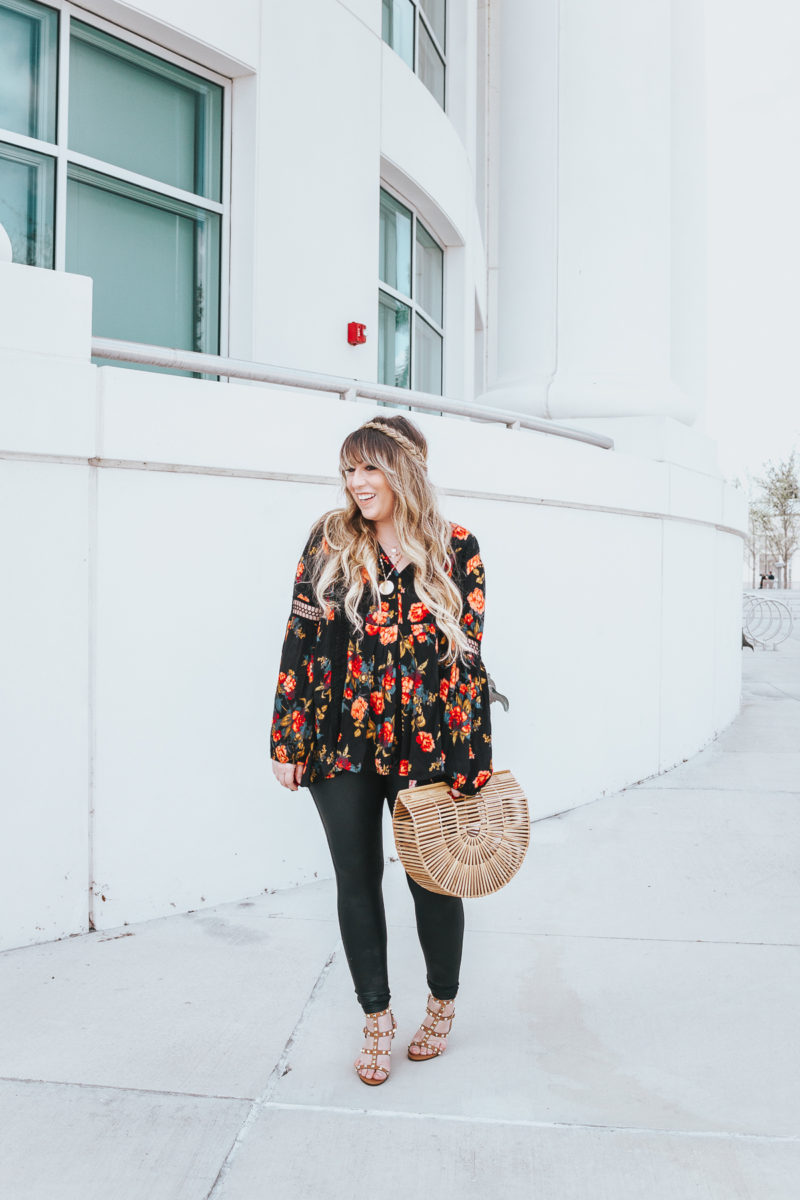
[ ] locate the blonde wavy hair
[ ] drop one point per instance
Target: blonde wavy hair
(348, 564)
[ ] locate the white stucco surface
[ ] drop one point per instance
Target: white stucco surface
(159, 520)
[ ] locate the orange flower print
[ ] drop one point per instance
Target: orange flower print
(371, 629)
(386, 732)
(419, 632)
(376, 702)
(459, 533)
(358, 709)
(425, 742)
(468, 618)
(301, 570)
(388, 680)
(310, 672)
(482, 777)
(444, 688)
(405, 767)
(406, 688)
(355, 664)
(298, 721)
(473, 564)
(348, 693)
(476, 600)
(289, 684)
(388, 635)
(342, 763)
(281, 755)
(459, 781)
(456, 718)
(417, 612)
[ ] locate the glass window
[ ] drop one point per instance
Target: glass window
(166, 251)
(431, 66)
(398, 28)
(427, 358)
(410, 301)
(129, 108)
(394, 341)
(415, 29)
(147, 221)
(28, 63)
(435, 11)
(429, 274)
(395, 248)
(27, 201)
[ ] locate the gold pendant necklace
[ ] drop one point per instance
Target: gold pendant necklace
(387, 587)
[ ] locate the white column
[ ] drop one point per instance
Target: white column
(597, 237)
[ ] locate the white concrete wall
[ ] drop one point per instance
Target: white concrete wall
(149, 534)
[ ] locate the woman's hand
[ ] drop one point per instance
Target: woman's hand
(455, 794)
(288, 775)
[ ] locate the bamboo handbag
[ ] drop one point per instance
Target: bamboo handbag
(468, 847)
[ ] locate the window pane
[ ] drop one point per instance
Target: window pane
(431, 67)
(398, 28)
(28, 63)
(427, 358)
(435, 12)
(154, 262)
(428, 274)
(27, 194)
(394, 342)
(129, 108)
(395, 247)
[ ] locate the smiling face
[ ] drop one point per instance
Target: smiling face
(370, 489)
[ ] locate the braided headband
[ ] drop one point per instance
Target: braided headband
(400, 438)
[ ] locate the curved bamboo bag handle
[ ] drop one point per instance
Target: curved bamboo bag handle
(469, 847)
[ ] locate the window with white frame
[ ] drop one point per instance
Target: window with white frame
(112, 165)
(416, 30)
(410, 301)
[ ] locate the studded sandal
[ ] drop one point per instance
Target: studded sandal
(373, 1031)
(430, 1041)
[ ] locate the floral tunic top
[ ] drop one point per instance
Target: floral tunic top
(385, 701)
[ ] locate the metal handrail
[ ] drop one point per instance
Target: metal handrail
(346, 389)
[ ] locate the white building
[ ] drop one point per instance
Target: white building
(511, 196)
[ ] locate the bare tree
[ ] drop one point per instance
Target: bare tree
(775, 514)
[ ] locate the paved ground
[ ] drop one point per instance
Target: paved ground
(627, 1027)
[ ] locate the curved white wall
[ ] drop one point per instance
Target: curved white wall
(148, 576)
(159, 518)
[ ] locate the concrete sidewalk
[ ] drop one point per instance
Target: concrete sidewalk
(626, 1030)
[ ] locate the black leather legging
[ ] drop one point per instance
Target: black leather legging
(351, 808)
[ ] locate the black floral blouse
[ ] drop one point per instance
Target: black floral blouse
(385, 701)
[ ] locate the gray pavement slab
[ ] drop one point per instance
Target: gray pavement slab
(397, 1155)
(751, 771)
(584, 1031)
(63, 1142)
(625, 1028)
(200, 1004)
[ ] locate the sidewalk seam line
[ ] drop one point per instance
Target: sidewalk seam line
(529, 1123)
(119, 1087)
(275, 1075)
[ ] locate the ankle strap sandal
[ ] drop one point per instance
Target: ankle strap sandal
(430, 1042)
(375, 1051)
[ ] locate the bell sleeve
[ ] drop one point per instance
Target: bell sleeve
(292, 735)
(466, 717)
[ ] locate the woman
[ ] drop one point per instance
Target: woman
(381, 687)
